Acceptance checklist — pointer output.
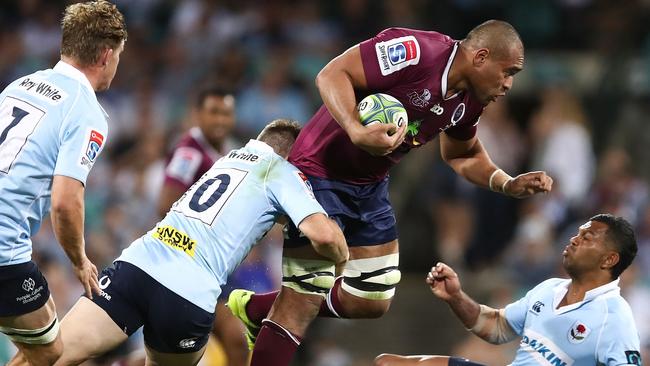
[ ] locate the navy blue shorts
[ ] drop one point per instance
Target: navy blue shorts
(363, 212)
(134, 299)
(23, 289)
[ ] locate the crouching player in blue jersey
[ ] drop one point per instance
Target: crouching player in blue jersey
(169, 279)
(52, 130)
(578, 321)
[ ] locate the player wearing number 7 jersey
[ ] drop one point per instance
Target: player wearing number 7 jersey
(169, 279)
(52, 130)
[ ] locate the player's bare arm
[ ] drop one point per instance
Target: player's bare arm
(326, 237)
(470, 160)
(488, 323)
(336, 83)
(67, 221)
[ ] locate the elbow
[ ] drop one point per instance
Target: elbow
(64, 207)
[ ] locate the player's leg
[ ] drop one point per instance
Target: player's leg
(87, 332)
(306, 279)
(396, 360)
(176, 330)
(28, 315)
(94, 327)
(230, 333)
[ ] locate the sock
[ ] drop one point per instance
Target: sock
(331, 307)
(259, 306)
(275, 346)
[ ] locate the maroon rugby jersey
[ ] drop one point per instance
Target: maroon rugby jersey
(191, 158)
(412, 66)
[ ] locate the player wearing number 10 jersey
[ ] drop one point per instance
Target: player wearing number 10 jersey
(169, 279)
(52, 130)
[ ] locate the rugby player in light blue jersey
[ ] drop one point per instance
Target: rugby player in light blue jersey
(52, 130)
(169, 279)
(580, 321)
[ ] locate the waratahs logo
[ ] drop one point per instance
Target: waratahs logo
(95, 143)
(401, 52)
(578, 332)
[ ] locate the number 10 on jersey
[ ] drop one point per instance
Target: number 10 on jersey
(205, 199)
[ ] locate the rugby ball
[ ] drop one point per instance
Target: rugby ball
(381, 108)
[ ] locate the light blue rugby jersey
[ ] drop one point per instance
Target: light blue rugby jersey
(214, 225)
(599, 330)
(50, 124)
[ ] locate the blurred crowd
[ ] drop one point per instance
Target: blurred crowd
(578, 111)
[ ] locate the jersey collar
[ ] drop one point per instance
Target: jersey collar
(70, 71)
(259, 145)
(445, 74)
(608, 289)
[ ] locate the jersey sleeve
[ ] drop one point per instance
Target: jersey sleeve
(183, 166)
(466, 130)
(291, 192)
(516, 314)
(619, 343)
(390, 57)
(81, 142)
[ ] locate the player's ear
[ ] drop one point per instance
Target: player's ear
(480, 56)
(104, 56)
(610, 260)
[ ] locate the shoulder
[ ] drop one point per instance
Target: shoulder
(619, 313)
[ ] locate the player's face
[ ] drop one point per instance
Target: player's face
(216, 117)
(111, 67)
(494, 77)
(587, 250)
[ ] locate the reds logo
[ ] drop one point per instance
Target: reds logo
(95, 143)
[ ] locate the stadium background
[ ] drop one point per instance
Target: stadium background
(579, 110)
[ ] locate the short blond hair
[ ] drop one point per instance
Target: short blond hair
(90, 27)
(280, 134)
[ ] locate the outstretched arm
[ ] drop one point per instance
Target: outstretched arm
(470, 160)
(487, 323)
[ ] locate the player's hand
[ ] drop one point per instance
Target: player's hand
(87, 274)
(443, 281)
(375, 138)
(528, 184)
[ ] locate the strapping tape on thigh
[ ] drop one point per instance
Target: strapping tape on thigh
(308, 276)
(43, 335)
(372, 278)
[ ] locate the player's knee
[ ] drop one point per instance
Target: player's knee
(308, 276)
(373, 279)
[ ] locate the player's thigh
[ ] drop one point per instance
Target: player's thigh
(88, 331)
(175, 325)
(155, 358)
(396, 360)
(27, 312)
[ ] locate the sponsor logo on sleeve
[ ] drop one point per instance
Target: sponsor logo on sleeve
(306, 184)
(459, 112)
(175, 239)
(537, 307)
(633, 358)
(92, 149)
(578, 332)
(396, 54)
(184, 164)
